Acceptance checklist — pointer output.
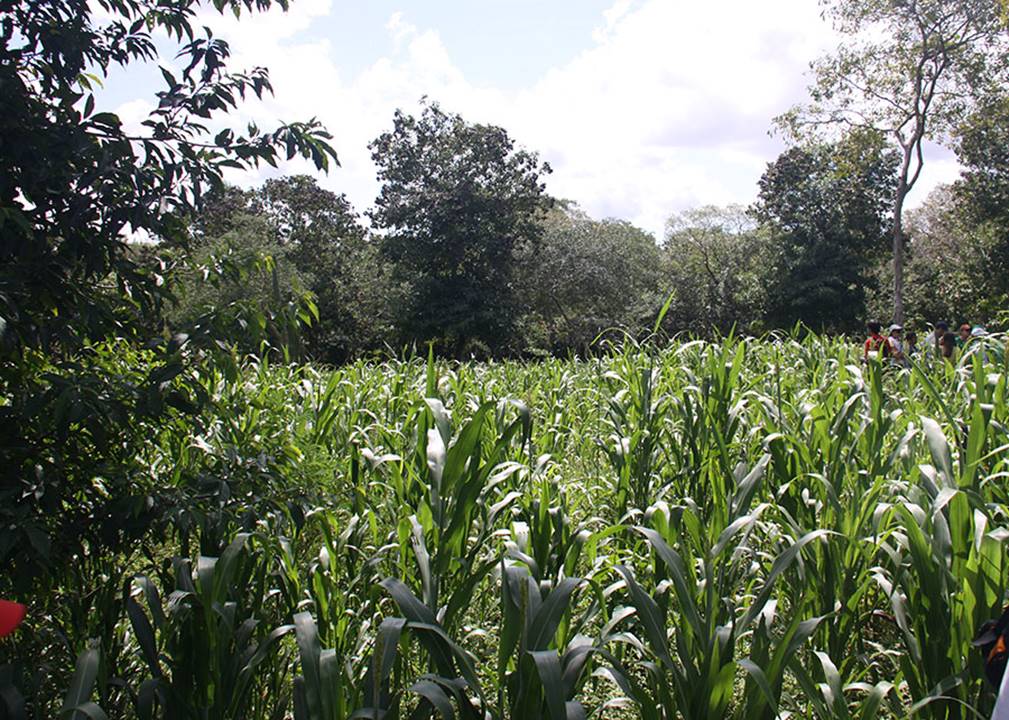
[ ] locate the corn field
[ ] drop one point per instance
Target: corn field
(750, 528)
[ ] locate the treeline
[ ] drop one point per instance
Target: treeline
(465, 249)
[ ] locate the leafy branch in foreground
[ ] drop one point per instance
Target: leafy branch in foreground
(75, 185)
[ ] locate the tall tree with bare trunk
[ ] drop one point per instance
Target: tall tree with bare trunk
(912, 69)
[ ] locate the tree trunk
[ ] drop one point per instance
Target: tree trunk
(898, 258)
(903, 188)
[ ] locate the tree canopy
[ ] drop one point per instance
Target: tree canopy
(458, 200)
(909, 70)
(585, 277)
(826, 207)
(75, 184)
(717, 268)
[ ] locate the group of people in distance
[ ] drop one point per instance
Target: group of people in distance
(901, 349)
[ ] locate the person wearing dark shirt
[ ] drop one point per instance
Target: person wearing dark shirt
(949, 346)
(910, 345)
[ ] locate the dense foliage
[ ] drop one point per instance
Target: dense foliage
(74, 185)
(583, 278)
(317, 246)
(718, 262)
(910, 71)
(813, 249)
(715, 526)
(458, 202)
(826, 208)
(729, 529)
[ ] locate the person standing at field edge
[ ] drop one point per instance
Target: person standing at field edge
(948, 347)
(910, 346)
(876, 343)
(935, 339)
(895, 344)
(964, 335)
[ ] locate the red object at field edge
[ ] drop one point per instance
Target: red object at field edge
(11, 615)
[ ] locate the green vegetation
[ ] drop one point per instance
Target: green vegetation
(911, 72)
(458, 202)
(621, 512)
(728, 529)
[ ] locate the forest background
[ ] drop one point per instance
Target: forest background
(466, 250)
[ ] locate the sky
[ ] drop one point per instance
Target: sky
(643, 108)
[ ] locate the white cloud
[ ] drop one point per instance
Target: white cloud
(133, 113)
(668, 108)
(672, 107)
(611, 17)
(399, 28)
(941, 168)
(265, 29)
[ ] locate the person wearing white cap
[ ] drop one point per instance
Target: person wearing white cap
(977, 333)
(896, 346)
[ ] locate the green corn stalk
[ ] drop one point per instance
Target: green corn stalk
(834, 700)
(322, 691)
(335, 636)
(211, 651)
(542, 660)
(542, 663)
(945, 574)
(77, 704)
(450, 685)
(719, 588)
(542, 535)
(456, 507)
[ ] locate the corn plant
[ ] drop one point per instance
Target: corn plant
(333, 638)
(744, 528)
(207, 649)
(325, 690)
(832, 699)
(635, 416)
(945, 575)
(451, 681)
(542, 658)
(705, 597)
(455, 508)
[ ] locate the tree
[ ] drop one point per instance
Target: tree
(585, 277)
(334, 255)
(74, 182)
(319, 244)
(981, 195)
(982, 147)
(74, 185)
(825, 207)
(324, 243)
(316, 223)
(953, 270)
(458, 201)
(716, 266)
(958, 238)
(910, 70)
(242, 288)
